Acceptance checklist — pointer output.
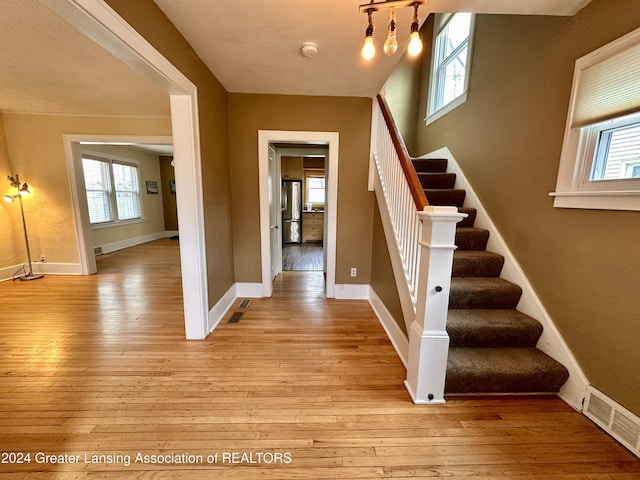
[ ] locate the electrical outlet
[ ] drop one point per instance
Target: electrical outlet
(354, 272)
(43, 258)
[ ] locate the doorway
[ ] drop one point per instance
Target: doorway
(270, 174)
(303, 193)
(96, 20)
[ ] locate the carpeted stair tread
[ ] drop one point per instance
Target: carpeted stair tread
(476, 263)
(471, 217)
(430, 164)
(437, 180)
(483, 292)
(502, 370)
(492, 328)
(471, 238)
(447, 197)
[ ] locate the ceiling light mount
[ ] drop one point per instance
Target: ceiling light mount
(309, 50)
(391, 44)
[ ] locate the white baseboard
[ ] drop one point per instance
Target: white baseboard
(348, 291)
(220, 309)
(613, 418)
(397, 337)
(237, 290)
(171, 233)
(249, 290)
(47, 268)
(6, 273)
(551, 342)
(131, 242)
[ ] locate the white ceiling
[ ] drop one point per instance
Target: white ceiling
(48, 67)
(253, 46)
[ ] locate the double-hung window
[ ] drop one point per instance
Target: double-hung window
(600, 161)
(315, 188)
(113, 190)
(450, 64)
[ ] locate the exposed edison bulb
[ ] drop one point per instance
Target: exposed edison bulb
(369, 49)
(391, 44)
(415, 44)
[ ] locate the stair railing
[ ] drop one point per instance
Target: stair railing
(421, 243)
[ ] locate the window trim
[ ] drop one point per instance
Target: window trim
(441, 22)
(314, 173)
(111, 159)
(574, 188)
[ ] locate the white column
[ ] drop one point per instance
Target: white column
(428, 338)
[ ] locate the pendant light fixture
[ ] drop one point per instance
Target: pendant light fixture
(415, 44)
(391, 43)
(369, 49)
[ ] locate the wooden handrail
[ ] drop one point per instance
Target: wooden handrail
(417, 192)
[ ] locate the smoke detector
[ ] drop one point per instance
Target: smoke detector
(309, 50)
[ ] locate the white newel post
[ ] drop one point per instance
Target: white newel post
(428, 338)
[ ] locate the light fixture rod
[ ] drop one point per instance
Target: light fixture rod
(388, 5)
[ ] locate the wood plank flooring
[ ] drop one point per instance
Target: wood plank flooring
(301, 387)
(302, 257)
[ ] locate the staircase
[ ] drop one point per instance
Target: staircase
(492, 345)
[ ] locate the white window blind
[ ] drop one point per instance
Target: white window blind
(609, 88)
(113, 190)
(97, 180)
(127, 190)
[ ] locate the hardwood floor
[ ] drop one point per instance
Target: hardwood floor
(302, 257)
(304, 387)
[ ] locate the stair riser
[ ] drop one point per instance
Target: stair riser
(493, 338)
(470, 221)
(452, 198)
(437, 180)
(430, 165)
(505, 297)
(482, 267)
(472, 239)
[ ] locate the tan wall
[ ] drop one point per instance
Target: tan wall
(12, 250)
(507, 138)
(405, 79)
(37, 154)
(151, 23)
(167, 174)
(351, 117)
(152, 208)
(382, 278)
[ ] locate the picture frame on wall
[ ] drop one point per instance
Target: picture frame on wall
(152, 187)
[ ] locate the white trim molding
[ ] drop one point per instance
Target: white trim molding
(98, 21)
(44, 268)
(599, 101)
(551, 341)
(266, 137)
(350, 291)
(397, 337)
(622, 424)
(130, 242)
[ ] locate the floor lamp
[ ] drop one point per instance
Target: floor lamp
(22, 190)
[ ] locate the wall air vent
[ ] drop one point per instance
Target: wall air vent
(97, 250)
(614, 419)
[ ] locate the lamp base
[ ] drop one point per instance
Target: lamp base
(30, 276)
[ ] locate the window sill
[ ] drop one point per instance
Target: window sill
(452, 105)
(598, 200)
(116, 223)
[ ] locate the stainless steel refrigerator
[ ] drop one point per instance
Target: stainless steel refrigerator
(292, 211)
